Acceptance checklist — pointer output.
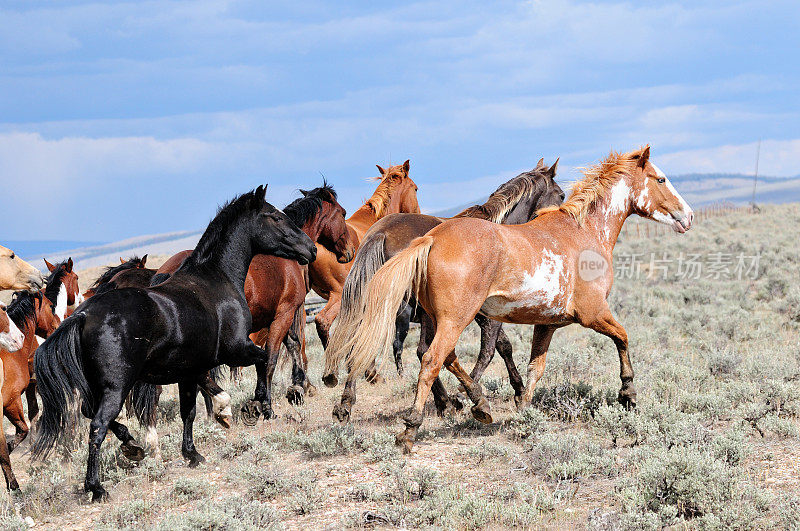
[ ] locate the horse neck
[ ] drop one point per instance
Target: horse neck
(233, 259)
(313, 226)
(606, 217)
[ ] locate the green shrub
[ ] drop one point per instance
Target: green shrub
(529, 422)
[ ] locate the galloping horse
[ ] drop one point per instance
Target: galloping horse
(62, 287)
(396, 193)
(34, 315)
(276, 288)
(11, 339)
(171, 333)
(15, 273)
(514, 202)
(130, 273)
(550, 272)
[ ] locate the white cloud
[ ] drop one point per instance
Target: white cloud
(779, 158)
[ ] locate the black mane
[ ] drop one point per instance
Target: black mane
(22, 309)
(227, 216)
(302, 209)
(110, 271)
(53, 282)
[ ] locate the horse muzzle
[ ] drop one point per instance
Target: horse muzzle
(682, 221)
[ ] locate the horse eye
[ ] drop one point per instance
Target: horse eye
(13, 255)
(661, 180)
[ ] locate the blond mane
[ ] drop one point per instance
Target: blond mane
(379, 201)
(596, 182)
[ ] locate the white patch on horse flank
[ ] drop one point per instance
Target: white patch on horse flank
(61, 302)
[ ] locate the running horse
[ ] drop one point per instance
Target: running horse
(34, 315)
(551, 272)
(514, 202)
(11, 339)
(171, 333)
(395, 193)
(276, 289)
(16, 273)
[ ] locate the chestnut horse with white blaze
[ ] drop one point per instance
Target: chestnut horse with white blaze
(528, 274)
(16, 273)
(396, 193)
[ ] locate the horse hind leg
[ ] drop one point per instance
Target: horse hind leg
(188, 402)
(15, 414)
(506, 351)
(542, 335)
(218, 401)
(481, 408)
(130, 448)
(402, 325)
(108, 409)
(441, 399)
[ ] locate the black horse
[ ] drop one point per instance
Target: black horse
(171, 333)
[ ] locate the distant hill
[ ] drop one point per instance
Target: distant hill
(697, 189)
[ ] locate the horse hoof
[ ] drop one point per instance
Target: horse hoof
(404, 442)
(482, 411)
(194, 459)
(341, 413)
(13, 485)
(295, 395)
(330, 380)
(99, 495)
(132, 451)
(400, 370)
(268, 413)
(250, 413)
(627, 399)
(224, 420)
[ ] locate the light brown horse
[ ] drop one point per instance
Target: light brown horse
(15, 273)
(513, 203)
(396, 193)
(551, 272)
(11, 339)
(34, 315)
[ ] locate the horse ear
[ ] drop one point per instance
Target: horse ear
(50, 266)
(644, 157)
(261, 192)
(539, 164)
(406, 166)
(552, 169)
(121, 260)
(69, 265)
(144, 260)
(304, 192)
(383, 172)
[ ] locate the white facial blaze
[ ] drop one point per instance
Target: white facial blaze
(61, 302)
(686, 208)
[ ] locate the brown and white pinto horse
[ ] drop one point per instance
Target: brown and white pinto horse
(16, 273)
(544, 273)
(62, 288)
(11, 339)
(513, 203)
(396, 193)
(34, 315)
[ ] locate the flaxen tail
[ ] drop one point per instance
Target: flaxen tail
(369, 258)
(373, 334)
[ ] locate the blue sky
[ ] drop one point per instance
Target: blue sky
(126, 118)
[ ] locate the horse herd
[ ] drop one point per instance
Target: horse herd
(238, 296)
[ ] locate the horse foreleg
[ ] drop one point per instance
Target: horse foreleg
(542, 335)
(489, 331)
(481, 409)
(506, 351)
(610, 327)
(300, 384)
(14, 413)
(129, 448)
(5, 459)
(218, 401)
(188, 401)
(324, 319)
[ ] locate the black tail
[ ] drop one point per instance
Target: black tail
(59, 373)
(144, 398)
(159, 278)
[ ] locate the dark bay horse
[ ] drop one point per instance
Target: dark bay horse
(130, 273)
(551, 272)
(276, 288)
(514, 202)
(395, 193)
(171, 333)
(34, 315)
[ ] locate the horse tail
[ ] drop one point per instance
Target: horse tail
(144, 399)
(403, 275)
(158, 278)
(369, 258)
(60, 374)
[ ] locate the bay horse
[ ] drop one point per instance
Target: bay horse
(130, 273)
(550, 272)
(171, 333)
(34, 315)
(514, 202)
(395, 193)
(276, 289)
(62, 287)
(16, 273)
(11, 339)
